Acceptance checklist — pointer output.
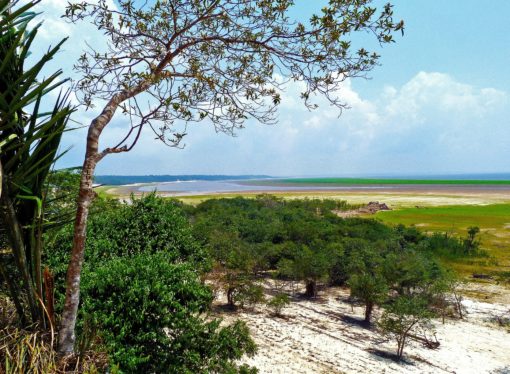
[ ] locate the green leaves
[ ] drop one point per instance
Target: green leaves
(218, 59)
(31, 127)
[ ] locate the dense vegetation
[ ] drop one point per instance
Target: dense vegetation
(145, 302)
(304, 241)
(143, 293)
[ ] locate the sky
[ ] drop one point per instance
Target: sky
(438, 104)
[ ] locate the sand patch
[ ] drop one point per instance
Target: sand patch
(321, 336)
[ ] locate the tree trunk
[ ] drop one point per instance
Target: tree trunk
(400, 348)
(369, 307)
(17, 243)
(311, 289)
(230, 297)
(67, 326)
(85, 197)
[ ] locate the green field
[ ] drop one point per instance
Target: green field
(383, 181)
(493, 221)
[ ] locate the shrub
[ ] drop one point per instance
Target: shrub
(249, 295)
(149, 225)
(278, 303)
(402, 316)
(150, 314)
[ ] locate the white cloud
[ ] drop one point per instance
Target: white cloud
(431, 124)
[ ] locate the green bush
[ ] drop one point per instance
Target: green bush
(142, 293)
(278, 303)
(249, 294)
(148, 225)
(150, 314)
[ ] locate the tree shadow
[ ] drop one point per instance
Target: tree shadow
(389, 356)
(356, 321)
(502, 370)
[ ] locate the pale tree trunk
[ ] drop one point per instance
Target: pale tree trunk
(85, 196)
(67, 326)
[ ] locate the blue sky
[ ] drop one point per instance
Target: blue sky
(440, 103)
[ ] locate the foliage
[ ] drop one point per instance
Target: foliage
(370, 289)
(249, 294)
(148, 225)
(33, 122)
(149, 314)
(278, 303)
(402, 316)
(61, 191)
(143, 294)
(303, 240)
(217, 60)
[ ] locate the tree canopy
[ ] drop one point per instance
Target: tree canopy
(171, 62)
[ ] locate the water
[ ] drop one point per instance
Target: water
(203, 187)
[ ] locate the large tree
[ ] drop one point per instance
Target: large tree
(221, 61)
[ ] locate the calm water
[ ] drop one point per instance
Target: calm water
(205, 187)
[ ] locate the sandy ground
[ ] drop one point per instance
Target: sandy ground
(322, 336)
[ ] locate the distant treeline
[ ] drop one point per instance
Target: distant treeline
(384, 181)
(129, 179)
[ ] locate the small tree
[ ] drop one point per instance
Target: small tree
(402, 316)
(471, 244)
(310, 266)
(445, 294)
(370, 289)
(223, 61)
(278, 303)
(367, 283)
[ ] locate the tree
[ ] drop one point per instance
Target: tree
(31, 126)
(235, 263)
(371, 289)
(366, 280)
(218, 60)
(401, 316)
(471, 244)
(278, 302)
(308, 265)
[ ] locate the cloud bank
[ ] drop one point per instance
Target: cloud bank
(431, 124)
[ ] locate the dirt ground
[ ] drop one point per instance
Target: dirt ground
(326, 336)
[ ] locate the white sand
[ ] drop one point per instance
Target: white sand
(315, 338)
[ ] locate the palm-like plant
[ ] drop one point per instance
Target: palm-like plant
(33, 135)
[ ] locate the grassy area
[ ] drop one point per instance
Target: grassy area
(367, 181)
(493, 221)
